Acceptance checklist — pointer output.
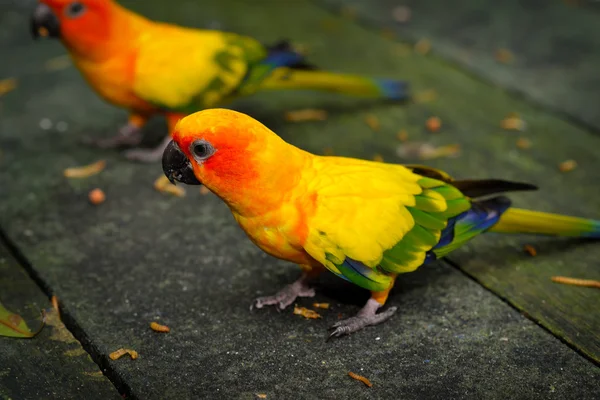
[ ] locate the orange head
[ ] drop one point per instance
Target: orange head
(235, 156)
(82, 25)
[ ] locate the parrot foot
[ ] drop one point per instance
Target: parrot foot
(129, 135)
(286, 296)
(366, 317)
(148, 156)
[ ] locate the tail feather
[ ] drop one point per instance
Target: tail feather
(516, 220)
(337, 83)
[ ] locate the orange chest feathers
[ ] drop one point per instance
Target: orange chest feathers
(283, 232)
(113, 79)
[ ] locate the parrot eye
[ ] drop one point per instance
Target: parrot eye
(75, 9)
(201, 149)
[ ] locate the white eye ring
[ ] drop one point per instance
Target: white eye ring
(75, 9)
(201, 149)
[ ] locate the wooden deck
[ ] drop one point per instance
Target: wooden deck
(487, 323)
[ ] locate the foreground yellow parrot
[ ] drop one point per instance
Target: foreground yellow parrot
(152, 68)
(364, 221)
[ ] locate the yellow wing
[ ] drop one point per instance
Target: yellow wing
(373, 220)
(183, 69)
(361, 210)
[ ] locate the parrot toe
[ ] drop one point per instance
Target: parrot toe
(129, 135)
(361, 320)
(285, 296)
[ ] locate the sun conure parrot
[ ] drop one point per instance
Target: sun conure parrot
(365, 221)
(150, 67)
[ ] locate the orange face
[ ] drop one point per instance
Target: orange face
(81, 24)
(216, 148)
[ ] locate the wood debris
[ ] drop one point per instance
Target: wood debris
(261, 395)
(504, 56)
(43, 32)
(7, 85)
(204, 190)
(360, 378)
(58, 63)
(423, 46)
(513, 122)
(328, 151)
(426, 96)
(433, 124)
(567, 166)
(155, 326)
(349, 12)
(306, 313)
(163, 185)
(115, 355)
(85, 171)
(427, 151)
(378, 158)
(529, 249)
(401, 14)
(321, 305)
(373, 122)
(97, 196)
(523, 143)
(308, 114)
(54, 301)
(576, 282)
(402, 135)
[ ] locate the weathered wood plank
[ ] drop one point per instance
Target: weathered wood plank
(555, 45)
(52, 365)
(143, 256)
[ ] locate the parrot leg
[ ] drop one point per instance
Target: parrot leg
(153, 155)
(129, 134)
(367, 316)
(148, 156)
(288, 294)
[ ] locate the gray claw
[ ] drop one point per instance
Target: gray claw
(354, 324)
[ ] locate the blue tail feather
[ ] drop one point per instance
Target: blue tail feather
(393, 89)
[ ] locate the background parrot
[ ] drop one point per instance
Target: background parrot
(364, 221)
(150, 67)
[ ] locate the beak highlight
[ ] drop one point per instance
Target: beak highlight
(177, 167)
(44, 22)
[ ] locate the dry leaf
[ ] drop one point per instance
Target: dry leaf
(378, 158)
(321, 305)
(402, 135)
(529, 249)
(7, 85)
(426, 96)
(401, 14)
(523, 143)
(423, 46)
(261, 395)
(13, 325)
(58, 63)
(567, 166)
(504, 56)
(426, 151)
(306, 313)
(309, 114)
(373, 122)
(85, 171)
(513, 122)
(204, 190)
(163, 185)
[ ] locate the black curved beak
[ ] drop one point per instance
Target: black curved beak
(44, 22)
(177, 167)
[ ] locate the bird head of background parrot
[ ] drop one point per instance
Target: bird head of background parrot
(235, 156)
(84, 26)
